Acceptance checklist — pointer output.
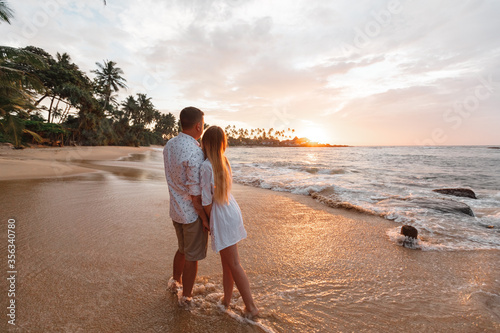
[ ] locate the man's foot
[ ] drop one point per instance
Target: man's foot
(173, 286)
(185, 302)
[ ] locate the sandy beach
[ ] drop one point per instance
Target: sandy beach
(32, 163)
(94, 246)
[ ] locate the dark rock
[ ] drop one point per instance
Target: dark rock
(493, 147)
(411, 234)
(458, 192)
(443, 205)
(439, 204)
(409, 231)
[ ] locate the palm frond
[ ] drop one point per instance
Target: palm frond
(6, 13)
(15, 77)
(12, 55)
(35, 136)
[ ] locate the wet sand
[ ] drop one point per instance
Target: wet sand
(34, 163)
(94, 252)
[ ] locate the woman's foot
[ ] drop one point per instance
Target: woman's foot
(225, 302)
(251, 314)
(185, 302)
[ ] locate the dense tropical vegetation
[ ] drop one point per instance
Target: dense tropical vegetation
(78, 110)
(49, 100)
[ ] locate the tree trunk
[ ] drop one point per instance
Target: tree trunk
(57, 105)
(41, 99)
(50, 109)
(65, 114)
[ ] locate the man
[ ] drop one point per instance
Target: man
(183, 156)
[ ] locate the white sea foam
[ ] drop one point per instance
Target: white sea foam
(207, 299)
(396, 237)
(393, 182)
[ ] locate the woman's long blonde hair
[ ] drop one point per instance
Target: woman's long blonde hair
(214, 143)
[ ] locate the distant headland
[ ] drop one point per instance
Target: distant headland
(269, 138)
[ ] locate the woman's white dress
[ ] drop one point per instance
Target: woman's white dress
(226, 222)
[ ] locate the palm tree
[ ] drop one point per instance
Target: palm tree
(109, 79)
(146, 108)
(16, 86)
(130, 107)
(15, 83)
(164, 124)
(5, 12)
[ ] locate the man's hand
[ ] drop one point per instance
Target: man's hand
(208, 210)
(206, 225)
(201, 212)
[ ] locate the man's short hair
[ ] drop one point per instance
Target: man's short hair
(190, 116)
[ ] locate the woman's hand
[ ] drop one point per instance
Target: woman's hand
(206, 225)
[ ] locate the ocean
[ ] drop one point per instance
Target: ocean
(393, 182)
(94, 251)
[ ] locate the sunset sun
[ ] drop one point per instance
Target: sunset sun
(314, 133)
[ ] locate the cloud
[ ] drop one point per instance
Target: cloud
(270, 64)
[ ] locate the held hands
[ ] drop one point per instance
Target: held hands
(208, 211)
(206, 225)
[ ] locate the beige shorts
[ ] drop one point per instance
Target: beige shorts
(192, 240)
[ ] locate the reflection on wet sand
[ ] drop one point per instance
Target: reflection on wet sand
(95, 255)
(129, 173)
(140, 167)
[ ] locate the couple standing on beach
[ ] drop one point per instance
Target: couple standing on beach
(199, 183)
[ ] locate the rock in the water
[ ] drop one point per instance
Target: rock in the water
(409, 231)
(438, 204)
(411, 234)
(443, 205)
(458, 192)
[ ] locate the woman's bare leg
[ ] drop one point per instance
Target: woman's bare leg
(227, 282)
(230, 257)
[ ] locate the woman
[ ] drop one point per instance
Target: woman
(226, 222)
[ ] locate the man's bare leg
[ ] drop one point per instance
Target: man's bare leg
(188, 277)
(178, 266)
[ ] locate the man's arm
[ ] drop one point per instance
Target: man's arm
(201, 212)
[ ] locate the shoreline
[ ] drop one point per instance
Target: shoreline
(35, 163)
(286, 146)
(95, 255)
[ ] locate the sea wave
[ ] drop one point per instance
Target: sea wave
(395, 183)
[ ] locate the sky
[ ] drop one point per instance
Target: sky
(378, 72)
